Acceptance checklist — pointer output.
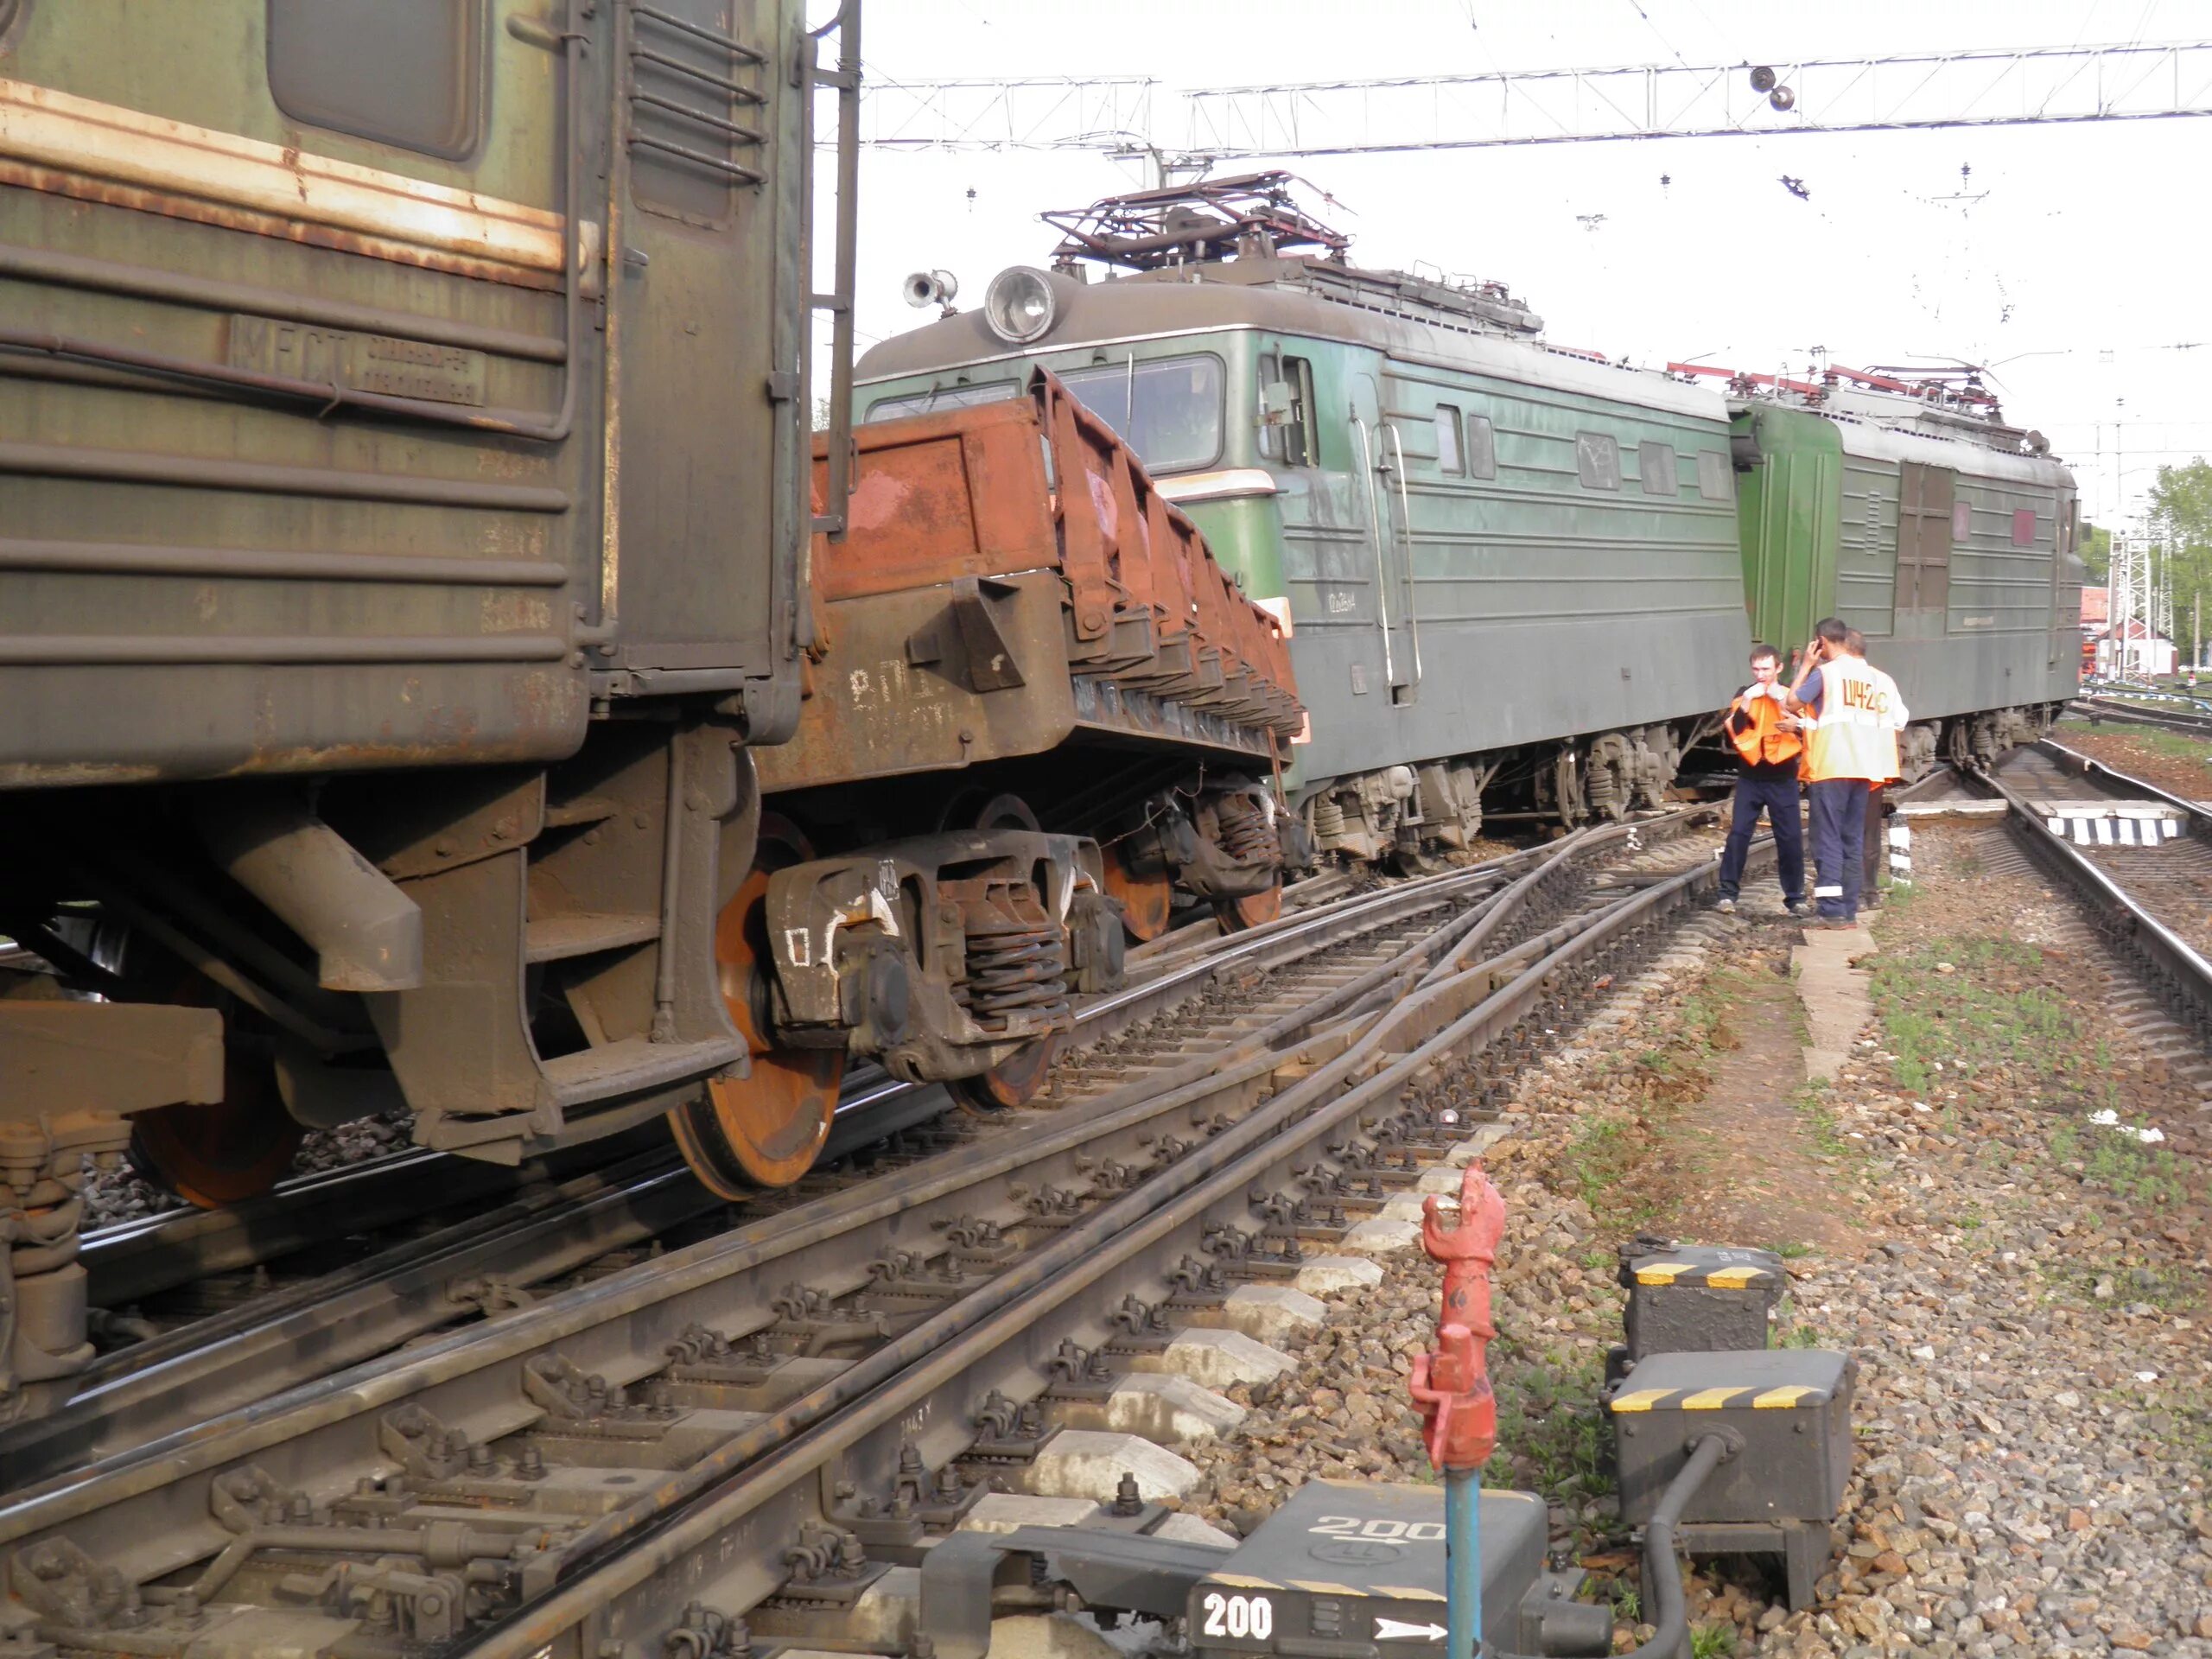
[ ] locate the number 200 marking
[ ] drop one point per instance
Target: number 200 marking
(1350, 1526)
(1239, 1616)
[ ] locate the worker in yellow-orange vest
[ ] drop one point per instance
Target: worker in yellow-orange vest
(1758, 723)
(1850, 712)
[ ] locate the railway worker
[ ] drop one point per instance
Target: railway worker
(1878, 810)
(1757, 723)
(1851, 714)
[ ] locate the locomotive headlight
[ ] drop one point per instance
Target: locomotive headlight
(1019, 304)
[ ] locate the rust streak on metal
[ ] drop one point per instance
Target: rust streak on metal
(83, 188)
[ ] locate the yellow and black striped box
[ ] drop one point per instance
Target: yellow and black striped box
(1697, 1297)
(1785, 1413)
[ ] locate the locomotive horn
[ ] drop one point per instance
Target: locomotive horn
(930, 288)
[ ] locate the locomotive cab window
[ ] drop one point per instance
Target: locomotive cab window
(1449, 456)
(1598, 461)
(1286, 398)
(399, 72)
(1654, 468)
(1169, 410)
(960, 395)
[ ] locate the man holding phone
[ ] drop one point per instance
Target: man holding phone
(1850, 712)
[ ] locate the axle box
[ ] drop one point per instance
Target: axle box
(1786, 1412)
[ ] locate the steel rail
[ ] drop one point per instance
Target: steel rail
(693, 1510)
(319, 1325)
(2162, 959)
(199, 1370)
(150, 1511)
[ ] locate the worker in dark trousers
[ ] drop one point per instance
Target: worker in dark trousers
(1851, 714)
(1877, 812)
(1758, 724)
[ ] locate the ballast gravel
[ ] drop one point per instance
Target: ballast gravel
(2034, 1407)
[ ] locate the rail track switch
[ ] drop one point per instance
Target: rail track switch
(1344, 1570)
(1785, 1414)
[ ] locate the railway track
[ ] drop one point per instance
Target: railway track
(2122, 713)
(2136, 859)
(773, 1421)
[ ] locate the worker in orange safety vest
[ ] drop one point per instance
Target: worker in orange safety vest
(1850, 712)
(1766, 738)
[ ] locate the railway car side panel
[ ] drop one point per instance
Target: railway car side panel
(1509, 528)
(288, 361)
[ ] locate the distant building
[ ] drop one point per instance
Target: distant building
(2133, 650)
(2097, 610)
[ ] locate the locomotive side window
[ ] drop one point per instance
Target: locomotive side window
(1713, 474)
(1654, 468)
(1597, 460)
(401, 71)
(1167, 409)
(1449, 458)
(1482, 447)
(2024, 527)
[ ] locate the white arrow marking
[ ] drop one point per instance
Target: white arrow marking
(1399, 1630)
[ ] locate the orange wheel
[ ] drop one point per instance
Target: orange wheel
(764, 1130)
(1147, 900)
(1010, 1083)
(1252, 911)
(234, 1149)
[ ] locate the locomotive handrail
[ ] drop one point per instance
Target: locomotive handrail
(1405, 522)
(1382, 575)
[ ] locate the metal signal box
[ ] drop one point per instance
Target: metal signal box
(1785, 1411)
(1346, 1568)
(1698, 1297)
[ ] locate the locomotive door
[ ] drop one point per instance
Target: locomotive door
(1378, 456)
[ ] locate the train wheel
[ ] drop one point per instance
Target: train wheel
(1254, 910)
(767, 1129)
(1009, 1083)
(234, 1149)
(1147, 900)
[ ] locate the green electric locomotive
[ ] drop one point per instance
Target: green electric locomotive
(1520, 580)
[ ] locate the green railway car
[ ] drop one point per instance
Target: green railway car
(1946, 538)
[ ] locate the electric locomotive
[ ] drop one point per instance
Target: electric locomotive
(1519, 579)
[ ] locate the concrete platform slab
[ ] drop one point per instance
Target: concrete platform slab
(1836, 997)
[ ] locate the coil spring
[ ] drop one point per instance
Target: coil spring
(1328, 818)
(1598, 786)
(1247, 835)
(1016, 965)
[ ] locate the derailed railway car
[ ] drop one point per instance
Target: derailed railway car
(402, 434)
(1519, 579)
(409, 552)
(1018, 622)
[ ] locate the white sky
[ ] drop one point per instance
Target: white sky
(2077, 276)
